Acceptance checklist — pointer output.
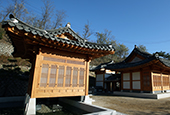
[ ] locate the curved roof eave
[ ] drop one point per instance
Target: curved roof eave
(45, 34)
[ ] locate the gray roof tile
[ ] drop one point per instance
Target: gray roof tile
(148, 58)
(51, 34)
(102, 65)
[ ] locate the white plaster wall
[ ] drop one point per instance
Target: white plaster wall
(136, 84)
(136, 76)
(99, 84)
(99, 77)
(126, 76)
(126, 85)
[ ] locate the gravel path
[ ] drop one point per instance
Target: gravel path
(134, 106)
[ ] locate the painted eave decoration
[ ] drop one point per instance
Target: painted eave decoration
(145, 59)
(25, 37)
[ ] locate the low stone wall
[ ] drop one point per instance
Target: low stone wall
(6, 49)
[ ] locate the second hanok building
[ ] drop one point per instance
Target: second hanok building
(106, 80)
(143, 72)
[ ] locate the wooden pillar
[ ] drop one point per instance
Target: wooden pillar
(131, 81)
(151, 78)
(36, 74)
(30, 83)
(161, 82)
(113, 86)
(152, 82)
(121, 85)
(169, 80)
(141, 79)
(87, 78)
(103, 81)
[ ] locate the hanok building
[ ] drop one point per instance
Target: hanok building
(60, 58)
(106, 80)
(143, 72)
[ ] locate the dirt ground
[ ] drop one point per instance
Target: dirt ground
(132, 105)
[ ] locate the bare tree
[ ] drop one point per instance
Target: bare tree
(87, 32)
(17, 8)
(49, 19)
(60, 16)
(47, 10)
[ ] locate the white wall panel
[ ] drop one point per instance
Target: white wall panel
(126, 76)
(136, 76)
(99, 77)
(136, 84)
(126, 85)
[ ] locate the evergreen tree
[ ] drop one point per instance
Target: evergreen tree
(164, 55)
(142, 48)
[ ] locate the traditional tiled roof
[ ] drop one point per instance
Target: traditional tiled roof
(165, 62)
(102, 65)
(51, 35)
(123, 64)
(140, 52)
(66, 30)
(149, 59)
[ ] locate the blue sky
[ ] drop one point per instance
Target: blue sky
(132, 22)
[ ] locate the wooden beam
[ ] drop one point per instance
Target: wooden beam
(35, 74)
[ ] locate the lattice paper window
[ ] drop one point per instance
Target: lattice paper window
(53, 73)
(44, 75)
(75, 77)
(60, 76)
(157, 80)
(81, 78)
(165, 81)
(126, 80)
(75, 62)
(54, 59)
(68, 77)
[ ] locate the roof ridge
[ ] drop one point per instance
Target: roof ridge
(11, 16)
(62, 28)
(16, 20)
(145, 52)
